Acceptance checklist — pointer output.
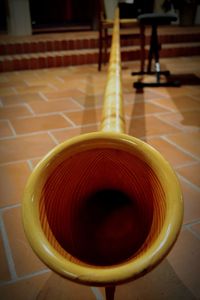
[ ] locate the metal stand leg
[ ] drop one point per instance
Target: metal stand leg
(142, 47)
(110, 292)
(100, 48)
(154, 52)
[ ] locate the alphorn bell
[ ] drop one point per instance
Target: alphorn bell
(103, 208)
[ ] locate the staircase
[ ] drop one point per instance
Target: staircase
(72, 48)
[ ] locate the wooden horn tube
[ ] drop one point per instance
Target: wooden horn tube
(103, 208)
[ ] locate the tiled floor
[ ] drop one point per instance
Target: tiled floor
(39, 109)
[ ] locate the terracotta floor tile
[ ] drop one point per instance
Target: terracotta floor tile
(195, 92)
(67, 93)
(4, 270)
(5, 129)
(39, 123)
(35, 161)
(162, 283)
(12, 83)
(60, 288)
(196, 228)
(42, 81)
(63, 135)
(192, 173)
(132, 96)
(96, 83)
(23, 75)
(179, 103)
(94, 90)
(80, 84)
(35, 89)
(97, 79)
(190, 142)
(66, 81)
(22, 148)
(184, 259)
(12, 181)
(170, 152)
(141, 108)
(24, 258)
(187, 120)
(89, 116)
(148, 126)
(128, 84)
(173, 91)
(27, 289)
(21, 98)
(191, 202)
(90, 101)
(6, 91)
(169, 124)
(47, 286)
(14, 112)
(54, 106)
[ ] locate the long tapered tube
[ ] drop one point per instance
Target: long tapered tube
(112, 116)
(103, 208)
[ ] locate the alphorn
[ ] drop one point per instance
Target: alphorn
(103, 208)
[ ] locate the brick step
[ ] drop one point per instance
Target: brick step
(24, 47)
(48, 42)
(52, 43)
(90, 56)
(167, 50)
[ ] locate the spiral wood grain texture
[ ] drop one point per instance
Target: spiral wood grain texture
(101, 205)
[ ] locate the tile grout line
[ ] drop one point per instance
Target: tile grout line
(8, 252)
(197, 221)
(30, 164)
(68, 120)
(12, 128)
(53, 138)
(170, 110)
(76, 102)
(45, 114)
(18, 161)
(19, 104)
(14, 90)
(195, 187)
(164, 137)
(53, 87)
(29, 109)
(160, 93)
(24, 277)
(76, 127)
(168, 122)
(11, 206)
(33, 133)
(183, 165)
(43, 96)
(97, 293)
(193, 232)
(195, 97)
(59, 79)
(151, 114)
